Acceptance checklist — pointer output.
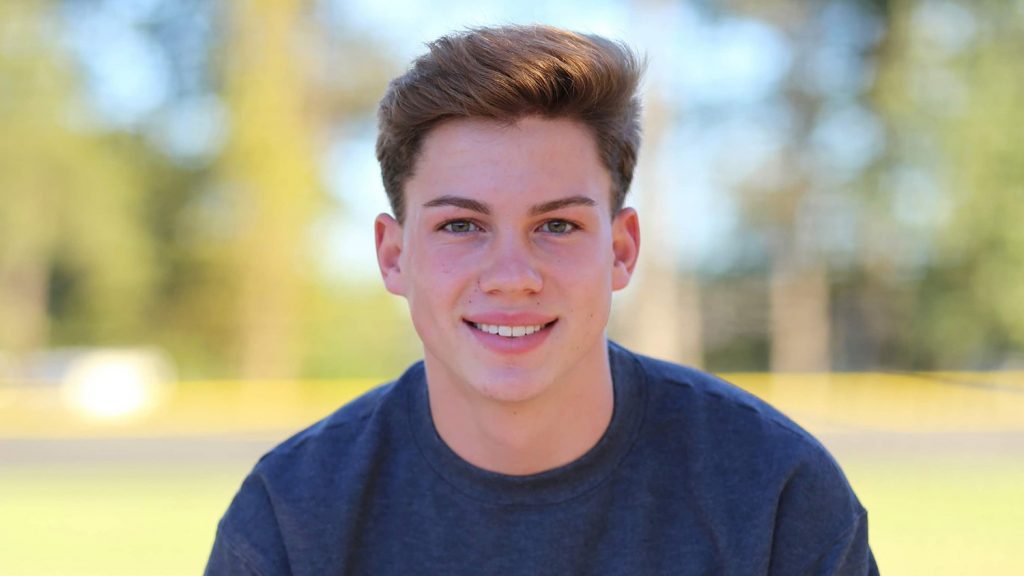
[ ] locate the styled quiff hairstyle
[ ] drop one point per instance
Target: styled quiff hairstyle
(506, 73)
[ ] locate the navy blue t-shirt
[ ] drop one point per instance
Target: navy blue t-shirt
(693, 476)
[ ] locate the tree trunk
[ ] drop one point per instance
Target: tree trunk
(800, 319)
(24, 321)
(665, 310)
(271, 174)
(666, 316)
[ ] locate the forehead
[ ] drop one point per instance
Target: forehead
(509, 164)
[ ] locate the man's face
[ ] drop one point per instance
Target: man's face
(508, 255)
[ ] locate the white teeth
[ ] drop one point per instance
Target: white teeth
(509, 331)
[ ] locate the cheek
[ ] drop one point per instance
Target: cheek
(584, 265)
(448, 264)
(442, 271)
(447, 268)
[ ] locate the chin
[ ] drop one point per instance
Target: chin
(511, 389)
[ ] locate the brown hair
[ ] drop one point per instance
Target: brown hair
(506, 73)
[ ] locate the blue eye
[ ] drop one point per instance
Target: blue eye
(460, 227)
(558, 227)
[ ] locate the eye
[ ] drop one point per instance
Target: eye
(460, 227)
(558, 227)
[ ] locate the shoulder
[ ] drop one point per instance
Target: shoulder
(340, 442)
(707, 401)
(748, 459)
(347, 423)
(737, 434)
(305, 478)
(693, 384)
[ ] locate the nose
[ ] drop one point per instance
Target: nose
(510, 267)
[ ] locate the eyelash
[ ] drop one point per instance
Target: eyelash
(572, 226)
(448, 226)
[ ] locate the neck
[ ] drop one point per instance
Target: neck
(529, 436)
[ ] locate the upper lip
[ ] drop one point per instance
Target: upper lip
(510, 318)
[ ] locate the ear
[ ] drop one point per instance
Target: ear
(388, 236)
(625, 246)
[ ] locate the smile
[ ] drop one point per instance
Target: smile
(509, 331)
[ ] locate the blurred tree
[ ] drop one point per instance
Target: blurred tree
(794, 201)
(72, 241)
(662, 315)
(357, 331)
(270, 175)
(799, 319)
(285, 86)
(953, 84)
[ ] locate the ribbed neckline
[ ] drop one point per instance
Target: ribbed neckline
(548, 487)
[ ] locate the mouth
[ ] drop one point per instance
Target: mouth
(509, 331)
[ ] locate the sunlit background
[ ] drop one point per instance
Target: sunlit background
(832, 202)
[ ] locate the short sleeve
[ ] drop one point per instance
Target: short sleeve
(850, 555)
(821, 529)
(248, 538)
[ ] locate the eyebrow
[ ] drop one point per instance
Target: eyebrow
(477, 206)
(459, 202)
(561, 203)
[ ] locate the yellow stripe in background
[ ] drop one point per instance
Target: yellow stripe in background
(835, 403)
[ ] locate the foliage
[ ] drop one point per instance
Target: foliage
(910, 245)
(72, 241)
(952, 87)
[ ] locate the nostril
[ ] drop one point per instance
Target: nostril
(511, 277)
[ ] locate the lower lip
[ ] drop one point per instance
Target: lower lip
(506, 345)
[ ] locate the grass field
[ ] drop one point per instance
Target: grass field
(110, 520)
(945, 492)
(944, 517)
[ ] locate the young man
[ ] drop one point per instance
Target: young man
(525, 442)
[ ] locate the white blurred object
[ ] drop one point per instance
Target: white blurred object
(116, 384)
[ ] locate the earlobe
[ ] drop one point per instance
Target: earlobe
(388, 237)
(625, 246)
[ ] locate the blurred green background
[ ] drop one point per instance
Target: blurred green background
(832, 196)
